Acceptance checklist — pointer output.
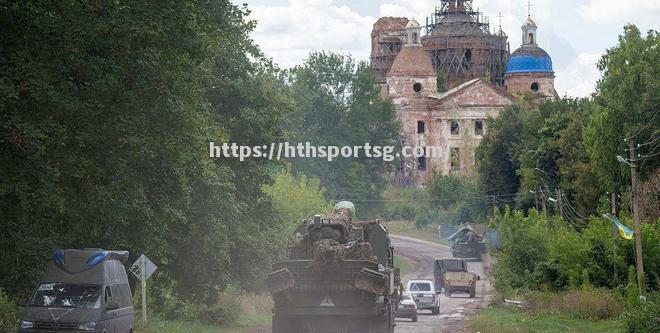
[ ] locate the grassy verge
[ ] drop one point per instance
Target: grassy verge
(404, 228)
(500, 319)
(405, 265)
(176, 326)
(254, 315)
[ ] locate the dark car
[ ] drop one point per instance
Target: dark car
(407, 307)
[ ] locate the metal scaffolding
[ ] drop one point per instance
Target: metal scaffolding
(460, 42)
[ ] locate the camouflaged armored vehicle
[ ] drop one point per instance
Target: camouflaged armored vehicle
(339, 277)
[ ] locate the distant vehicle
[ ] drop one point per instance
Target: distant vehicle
(407, 307)
(82, 290)
(424, 295)
(443, 265)
(461, 281)
(467, 244)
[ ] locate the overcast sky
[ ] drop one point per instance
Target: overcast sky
(574, 32)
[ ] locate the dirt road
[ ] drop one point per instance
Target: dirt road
(454, 309)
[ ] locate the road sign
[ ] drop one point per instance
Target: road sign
(142, 268)
(149, 267)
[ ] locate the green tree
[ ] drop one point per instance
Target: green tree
(106, 113)
(497, 155)
(296, 197)
(628, 95)
(338, 103)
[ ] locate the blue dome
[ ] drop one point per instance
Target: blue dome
(529, 58)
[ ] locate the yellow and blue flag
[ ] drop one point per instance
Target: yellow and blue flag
(624, 231)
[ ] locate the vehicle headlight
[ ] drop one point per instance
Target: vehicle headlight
(27, 324)
(91, 326)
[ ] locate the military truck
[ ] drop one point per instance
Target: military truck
(339, 277)
(460, 281)
(444, 265)
(466, 243)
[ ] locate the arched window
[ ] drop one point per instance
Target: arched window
(414, 38)
(531, 38)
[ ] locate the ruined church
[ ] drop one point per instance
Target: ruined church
(480, 77)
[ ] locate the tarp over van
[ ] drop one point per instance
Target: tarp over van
(89, 266)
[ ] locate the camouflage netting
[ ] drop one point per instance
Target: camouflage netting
(329, 253)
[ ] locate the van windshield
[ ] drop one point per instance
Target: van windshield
(63, 295)
(420, 286)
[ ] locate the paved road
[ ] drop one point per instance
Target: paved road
(453, 310)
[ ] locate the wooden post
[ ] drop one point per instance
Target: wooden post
(143, 277)
(614, 236)
(638, 237)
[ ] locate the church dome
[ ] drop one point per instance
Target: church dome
(412, 61)
(412, 24)
(529, 23)
(529, 58)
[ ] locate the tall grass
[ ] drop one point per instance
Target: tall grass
(591, 304)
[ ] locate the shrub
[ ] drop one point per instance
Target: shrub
(587, 304)
(644, 316)
(8, 314)
(402, 211)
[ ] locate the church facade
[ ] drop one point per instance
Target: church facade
(482, 76)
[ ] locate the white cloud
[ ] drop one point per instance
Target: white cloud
(640, 12)
(289, 32)
(579, 77)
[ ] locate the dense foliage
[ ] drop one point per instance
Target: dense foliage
(539, 253)
(296, 197)
(338, 103)
(107, 112)
(8, 313)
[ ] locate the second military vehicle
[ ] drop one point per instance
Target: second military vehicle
(466, 243)
(339, 277)
(444, 265)
(460, 281)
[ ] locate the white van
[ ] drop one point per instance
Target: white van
(81, 291)
(424, 295)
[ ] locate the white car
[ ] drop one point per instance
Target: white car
(407, 307)
(424, 295)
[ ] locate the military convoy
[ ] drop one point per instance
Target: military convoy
(339, 277)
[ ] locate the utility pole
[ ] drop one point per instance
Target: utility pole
(559, 204)
(638, 236)
(543, 199)
(614, 235)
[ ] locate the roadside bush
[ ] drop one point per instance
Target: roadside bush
(590, 304)
(644, 316)
(8, 314)
(401, 212)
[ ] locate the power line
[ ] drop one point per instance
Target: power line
(643, 128)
